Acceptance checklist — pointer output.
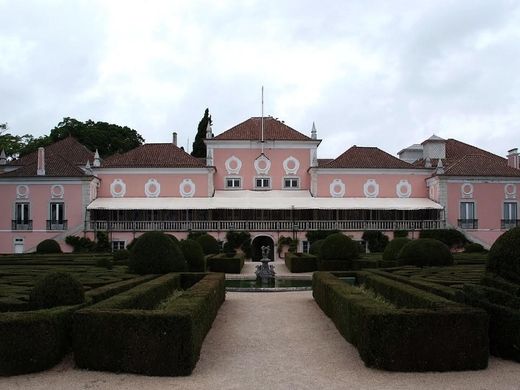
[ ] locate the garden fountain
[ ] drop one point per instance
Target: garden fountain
(265, 272)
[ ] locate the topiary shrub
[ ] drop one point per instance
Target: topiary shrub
(315, 235)
(121, 255)
(80, 244)
(473, 248)
(102, 244)
(209, 244)
(48, 246)
(451, 237)
(193, 255)
(425, 252)
(156, 253)
(315, 247)
(394, 247)
(105, 262)
(400, 233)
(377, 241)
(173, 238)
(338, 247)
(504, 256)
(56, 289)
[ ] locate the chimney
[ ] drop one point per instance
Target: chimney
(513, 158)
(3, 159)
(174, 138)
(40, 170)
(314, 133)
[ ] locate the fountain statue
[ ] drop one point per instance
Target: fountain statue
(265, 272)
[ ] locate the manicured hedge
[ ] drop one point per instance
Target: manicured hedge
(223, 263)
(33, 341)
(504, 256)
(358, 264)
(425, 252)
(126, 334)
(394, 247)
(432, 334)
(504, 313)
(300, 262)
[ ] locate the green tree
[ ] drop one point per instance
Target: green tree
(106, 137)
(12, 144)
(199, 147)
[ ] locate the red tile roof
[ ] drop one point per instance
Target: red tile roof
(55, 166)
(367, 157)
(69, 148)
(160, 155)
(467, 160)
(251, 129)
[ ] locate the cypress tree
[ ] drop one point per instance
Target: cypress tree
(199, 147)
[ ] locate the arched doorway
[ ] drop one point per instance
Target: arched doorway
(258, 243)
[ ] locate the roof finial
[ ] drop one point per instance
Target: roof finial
(40, 168)
(427, 163)
(97, 159)
(209, 131)
(314, 133)
(3, 159)
(440, 168)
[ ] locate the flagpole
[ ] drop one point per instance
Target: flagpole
(262, 141)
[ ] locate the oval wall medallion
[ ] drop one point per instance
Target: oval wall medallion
(187, 188)
(371, 188)
(22, 191)
(291, 165)
(262, 165)
(57, 191)
(337, 188)
(118, 188)
(510, 191)
(466, 190)
(152, 188)
(233, 165)
(403, 189)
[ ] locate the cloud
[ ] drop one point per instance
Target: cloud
(378, 73)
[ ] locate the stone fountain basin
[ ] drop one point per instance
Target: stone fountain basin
(279, 284)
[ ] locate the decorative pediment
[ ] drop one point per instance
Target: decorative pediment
(262, 165)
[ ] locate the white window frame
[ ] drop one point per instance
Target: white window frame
(239, 187)
(23, 218)
(510, 208)
(262, 188)
(57, 205)
(116, 245)
(306, 245)
(292, 178)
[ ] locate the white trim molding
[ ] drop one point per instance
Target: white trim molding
(182, 188)
(57, 191)
(510, 191)
(403, 189)
(118, 193)
(288, 170)
(337, 188)
(152, 183)
(230, 170)
(22, 191)
(262, 159)
(375, 188)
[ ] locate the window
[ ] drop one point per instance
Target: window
(305, 246)
(56, 219)
(22, 219)
(118, 245)
(510, 215)
(467, 216)
(233, 182)
(263, 182)
(291, 182)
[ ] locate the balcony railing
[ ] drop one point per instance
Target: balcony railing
(56, 225)
(509, 223)
(345, 225)
(468, 223)
(21, 225)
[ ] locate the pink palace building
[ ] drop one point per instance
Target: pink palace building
(261, 176)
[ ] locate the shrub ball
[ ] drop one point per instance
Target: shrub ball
(425, 252)
(473, 248)
(56, 289)
(209, 244)
(337, 246)
(315, 247)
(504, 256)
(48, 246)
(156, 253)
(193, 255)
(394, 247)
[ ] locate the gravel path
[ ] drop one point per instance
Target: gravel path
(273, 341)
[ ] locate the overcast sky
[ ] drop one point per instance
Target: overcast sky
(369, 73)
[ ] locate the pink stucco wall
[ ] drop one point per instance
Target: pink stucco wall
(387, 184)
(489, 201)
(248, 172)
(39, 199)
(135, 184)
